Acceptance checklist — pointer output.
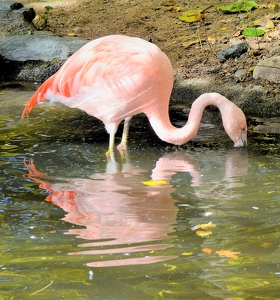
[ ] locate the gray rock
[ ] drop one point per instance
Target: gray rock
(275, 50)
(39, 47)
(15, 19)
(232, 52)
(268, 69)
(241, 74)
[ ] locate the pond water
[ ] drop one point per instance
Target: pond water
(158, 223)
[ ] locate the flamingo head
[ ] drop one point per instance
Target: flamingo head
(236, 127)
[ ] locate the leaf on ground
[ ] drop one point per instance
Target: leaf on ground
(192, 42)
(211, 39)
(173, 8)
(274, 6)
(207, 250)
(236, 7)
(266, 23)
(203, 233)
(227, 253)
(72, 34)
(192, 15)
(253, 32)
(204, 226)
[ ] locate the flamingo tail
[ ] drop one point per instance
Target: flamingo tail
(38, 96)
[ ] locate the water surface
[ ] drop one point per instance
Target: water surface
(160, 222)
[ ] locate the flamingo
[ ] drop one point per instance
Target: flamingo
(115, 77)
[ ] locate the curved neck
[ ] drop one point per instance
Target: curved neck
(178, 136)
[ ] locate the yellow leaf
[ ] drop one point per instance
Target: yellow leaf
(223, 28)
(155, 182)
(204, 226)
(273, 6)
(2, 93)
(152, 251)
(203, 233)
(227, 253)
(192, 15)
(187, 253)
(72, 34)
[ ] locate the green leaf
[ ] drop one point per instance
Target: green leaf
(242, 6)
(254, 32)
(48, 8)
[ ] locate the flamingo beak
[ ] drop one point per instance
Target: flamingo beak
(242, 141)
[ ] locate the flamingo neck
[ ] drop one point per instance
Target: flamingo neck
(178, 136)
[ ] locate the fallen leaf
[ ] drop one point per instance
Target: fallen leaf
(236, 7)
(207, 250)
(204, 226)
(173, 9)
(223, 28)
(274, 6)
(2, 93)
(187, 253)
(72, 34)
(191, 42)
(211, 39)
(192, 15)
(203, 233)
(227, 253)
(155, 182)
(236, 33)
(253, 32)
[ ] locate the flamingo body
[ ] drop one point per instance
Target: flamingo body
(115, 77)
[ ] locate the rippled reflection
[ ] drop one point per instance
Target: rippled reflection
(119, 212)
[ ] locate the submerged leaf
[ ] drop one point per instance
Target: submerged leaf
(253, 32)
(236, 7)
(227, 253)
(207, 250)
(203, 233)
(204, 226)
(155, 182)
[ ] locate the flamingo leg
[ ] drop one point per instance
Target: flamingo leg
(110, 152)
(123, 145)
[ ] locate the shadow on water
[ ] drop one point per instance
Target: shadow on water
(162, 222)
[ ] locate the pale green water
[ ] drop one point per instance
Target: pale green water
(86, 228)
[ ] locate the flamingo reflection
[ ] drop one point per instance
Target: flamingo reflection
(121, 215)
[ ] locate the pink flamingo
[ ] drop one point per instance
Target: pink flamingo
(115, 77)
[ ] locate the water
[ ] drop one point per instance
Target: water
(160, 223)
